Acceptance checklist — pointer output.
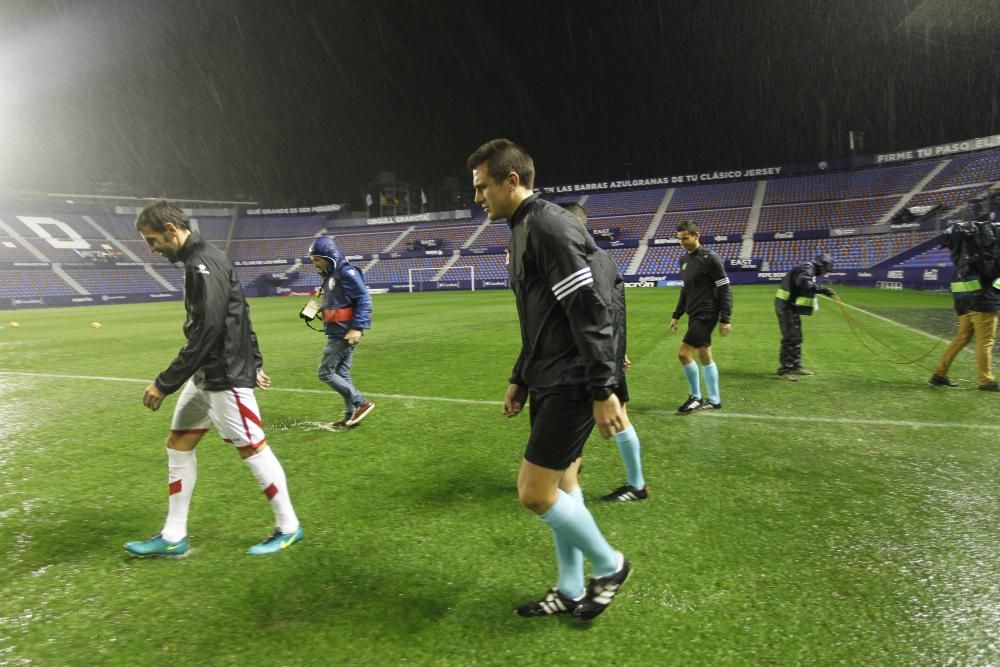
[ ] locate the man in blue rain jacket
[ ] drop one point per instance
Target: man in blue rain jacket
(347, 312)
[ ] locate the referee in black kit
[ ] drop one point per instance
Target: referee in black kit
(707, 300)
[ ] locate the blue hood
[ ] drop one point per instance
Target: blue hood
(328, 249)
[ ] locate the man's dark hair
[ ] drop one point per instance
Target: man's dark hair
(689, 226)
(503, 156)
(578, 211)
(154, 217)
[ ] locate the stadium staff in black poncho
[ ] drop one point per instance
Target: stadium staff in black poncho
(218, 368)
(797, 296)
(975, 290)
(566, 366)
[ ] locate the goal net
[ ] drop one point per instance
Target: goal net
(454, 277)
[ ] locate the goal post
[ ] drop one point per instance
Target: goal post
(432, 272)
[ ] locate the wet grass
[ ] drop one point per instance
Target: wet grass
(851, 517)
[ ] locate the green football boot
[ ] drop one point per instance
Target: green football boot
(157, 546)
(276, 542)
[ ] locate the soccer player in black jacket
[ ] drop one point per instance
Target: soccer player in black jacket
(218, 368)
(566, 367)
(707, 300)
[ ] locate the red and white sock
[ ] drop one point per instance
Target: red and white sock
(182, 472)
(271, 477)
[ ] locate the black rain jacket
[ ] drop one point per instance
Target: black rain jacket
(221, 351)
(567, 328)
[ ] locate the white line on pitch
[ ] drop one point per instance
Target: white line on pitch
(469, 401)
(833, 420)
(402, 397)
(886, 319)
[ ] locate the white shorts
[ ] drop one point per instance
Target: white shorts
(233, 412)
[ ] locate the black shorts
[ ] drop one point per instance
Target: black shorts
(561, 421)
(699, 331)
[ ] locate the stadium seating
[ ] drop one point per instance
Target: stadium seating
(364, 242)
(865, 183)
(13, 251)
(496, 234)
(630, 202)
(935, 257)
(32, 283)
(628, 226)
(488, 267)
(980, 167)
(824, 215)
(246, 250)
(816, 202)
(622, 256)
(722, 221)
(279, 228)
(453, 236)
(948, 198)
(397, 270)
(849, 252)
(715, 196)
(125, 280)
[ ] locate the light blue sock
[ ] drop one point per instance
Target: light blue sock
(712, 382)
(572, 523)
(570, 582)
(691, 374)
(628, 447)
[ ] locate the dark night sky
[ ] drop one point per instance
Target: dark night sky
(305, 101)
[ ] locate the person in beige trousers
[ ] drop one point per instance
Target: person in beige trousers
(977, 317)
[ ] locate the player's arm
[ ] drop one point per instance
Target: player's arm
(361, 301)
(562, 251)
(678, 313)
(263, 381)
(721, 290)
(208, 295)
(513, 400)
(680, 308)
(809, 286)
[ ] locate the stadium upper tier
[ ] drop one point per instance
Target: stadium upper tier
(71, 253)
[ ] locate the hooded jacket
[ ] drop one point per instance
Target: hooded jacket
(221, 351)
(974, 249)
(799, 288)
(347, 303)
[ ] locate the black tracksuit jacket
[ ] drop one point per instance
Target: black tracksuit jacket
(567, 328)
(705, 294)
(221, 351)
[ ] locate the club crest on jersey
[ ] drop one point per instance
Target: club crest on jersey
(331, 283)
(202, 269)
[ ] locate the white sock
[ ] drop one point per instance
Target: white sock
(271, 477)
(182, 472)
